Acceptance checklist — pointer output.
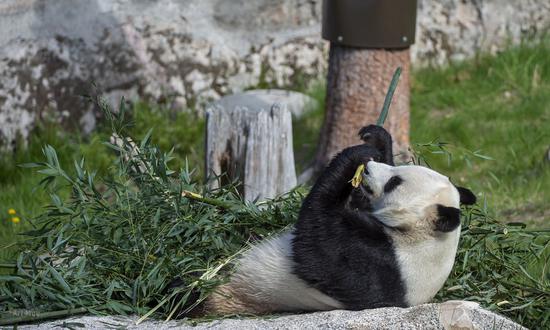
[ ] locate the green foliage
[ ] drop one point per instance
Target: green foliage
(504, 267)
(182, 131)
(19, 185)
(500, 106)
(305, 130)
(116, 242)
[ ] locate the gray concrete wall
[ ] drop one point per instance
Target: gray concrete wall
(189, 51)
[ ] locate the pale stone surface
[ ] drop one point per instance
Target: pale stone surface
(188, 52)
(449, 315)
(456, 30)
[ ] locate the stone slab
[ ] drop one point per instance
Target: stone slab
(456, 315)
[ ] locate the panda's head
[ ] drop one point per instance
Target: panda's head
(413, 198)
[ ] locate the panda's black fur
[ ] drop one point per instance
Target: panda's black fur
(340, 250)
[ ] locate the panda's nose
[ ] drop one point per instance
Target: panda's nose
(366, 171)
(370, 165)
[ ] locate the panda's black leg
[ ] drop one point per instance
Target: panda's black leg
(378, 138)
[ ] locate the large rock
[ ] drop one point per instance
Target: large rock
(180, 52)
(455, 315)
(185, 52)
(458, 29)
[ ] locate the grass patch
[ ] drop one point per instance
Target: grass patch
(501, 107)
(181, 132)
(306, 129)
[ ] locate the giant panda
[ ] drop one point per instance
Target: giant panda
(391, 242)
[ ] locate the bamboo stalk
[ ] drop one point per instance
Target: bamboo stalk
(207, 200)
(389, 97)
(42, 316)
(358, 178)
(8, 266)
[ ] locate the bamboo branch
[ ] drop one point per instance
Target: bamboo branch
(32, 317)
(389, 97)
(207, 200)
(9, 266)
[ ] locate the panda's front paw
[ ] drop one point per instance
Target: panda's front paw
(378, 138)
(374, 135)
(362, 154)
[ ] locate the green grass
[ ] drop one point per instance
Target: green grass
(501, 107)
(305, 130)
(19, 186)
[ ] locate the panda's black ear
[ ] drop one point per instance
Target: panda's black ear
(467, 197)
(448, 218)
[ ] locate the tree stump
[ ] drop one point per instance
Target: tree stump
(249, 139)
(357, 82)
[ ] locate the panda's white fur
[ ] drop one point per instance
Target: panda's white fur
(425, 259)
(265, 281)
(411, 200)
(425, 265)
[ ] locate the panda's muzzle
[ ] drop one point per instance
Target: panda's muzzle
(365, 188)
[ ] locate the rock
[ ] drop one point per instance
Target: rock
(194, 51)
(455, 315)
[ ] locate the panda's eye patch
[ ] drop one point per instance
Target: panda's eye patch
(392, 183)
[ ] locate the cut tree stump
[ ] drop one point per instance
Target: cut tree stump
(249, 139)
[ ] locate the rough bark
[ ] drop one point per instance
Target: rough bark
(250, 140)
(357, 83)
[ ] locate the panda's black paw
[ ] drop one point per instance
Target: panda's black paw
(362, 154)
(378, 138)
(375, 135)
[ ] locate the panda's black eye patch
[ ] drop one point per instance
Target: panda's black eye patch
(392, 183)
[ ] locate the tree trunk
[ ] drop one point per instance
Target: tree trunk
(250, 140)
(357, 83)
